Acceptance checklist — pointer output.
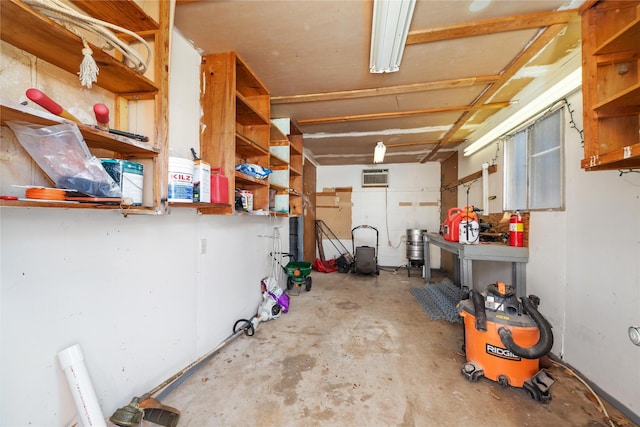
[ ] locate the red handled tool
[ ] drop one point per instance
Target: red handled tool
(102, 117)
(101, 111)
(49, 104)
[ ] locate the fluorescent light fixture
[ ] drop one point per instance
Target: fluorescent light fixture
(378, 152)
(556, 92)
(391, 20)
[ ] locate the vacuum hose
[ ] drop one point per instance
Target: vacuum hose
(544, 344)
(478, 306)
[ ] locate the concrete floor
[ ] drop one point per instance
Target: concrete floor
(360, 351)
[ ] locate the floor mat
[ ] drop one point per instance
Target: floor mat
(439, 300)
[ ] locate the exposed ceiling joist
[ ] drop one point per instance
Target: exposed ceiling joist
(378, 116)
(520, 61)
(410, 144)
(381, 91)
(492, 26)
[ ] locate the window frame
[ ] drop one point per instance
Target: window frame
(510, 139)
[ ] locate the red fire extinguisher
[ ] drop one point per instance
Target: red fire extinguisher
(516, 230)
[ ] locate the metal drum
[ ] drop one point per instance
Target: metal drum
(415, 249)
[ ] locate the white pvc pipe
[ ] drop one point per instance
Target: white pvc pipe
(485, 188)
(72, 362)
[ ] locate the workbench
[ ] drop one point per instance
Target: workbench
(466, 254)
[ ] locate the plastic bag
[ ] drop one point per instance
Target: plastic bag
(62, 154)
(255, 171)
(271, 288)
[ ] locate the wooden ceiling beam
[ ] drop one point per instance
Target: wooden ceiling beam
(412, 144)
(493, 26)
(518, 62)
(382, 91)
(377, 116)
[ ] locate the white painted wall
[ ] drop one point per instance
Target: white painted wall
(584, 263)
(138, 294)
(380, 208)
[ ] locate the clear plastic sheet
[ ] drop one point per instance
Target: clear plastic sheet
(62, 154)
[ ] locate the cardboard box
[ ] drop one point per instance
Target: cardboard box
(129, 176)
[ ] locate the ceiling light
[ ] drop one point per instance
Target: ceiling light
(378, 152)
(558, 91)
(391, 20)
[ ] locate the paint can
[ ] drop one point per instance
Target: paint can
(180, 180)
(129, 176)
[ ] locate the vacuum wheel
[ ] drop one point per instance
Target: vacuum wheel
(289, 283)
(307, 283)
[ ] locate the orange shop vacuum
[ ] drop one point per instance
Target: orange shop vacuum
(504, 339)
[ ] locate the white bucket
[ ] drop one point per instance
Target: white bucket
(180, 180)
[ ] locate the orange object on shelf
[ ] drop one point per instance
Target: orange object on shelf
(43, 193)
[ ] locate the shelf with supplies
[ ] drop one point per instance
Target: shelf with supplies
(27, 29)
(94, 137)
(286, 163)
(296, 178)
(611, 85)
(236, 110)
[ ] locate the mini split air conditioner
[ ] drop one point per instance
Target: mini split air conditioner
(375, 178)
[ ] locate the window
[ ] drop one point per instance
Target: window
(533, 159)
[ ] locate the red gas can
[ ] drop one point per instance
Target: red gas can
(219, 187)
(451, 227)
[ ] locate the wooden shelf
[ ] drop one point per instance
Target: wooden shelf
(611, 85)
(242, 178)
(623, 158)
(276, 137)
(124, 13)
(198, 205)
(277, 161)
(24, 28)
(74, 205)
(249, 148)
(246, 115)
(279, 188)
(629, 97)
(95, 138)
(236, 126)
(624, 40)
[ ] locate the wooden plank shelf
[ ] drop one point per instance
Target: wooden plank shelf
(279, 188)
(123, 13)
(249, 180)
(246, 114)
(622, 158)
(24, 28)
(629, 97)
(277, 161)
(611, 85)
(626, 39)
(198, 205)
(248, 148)
(76, 205)
(95, 138)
